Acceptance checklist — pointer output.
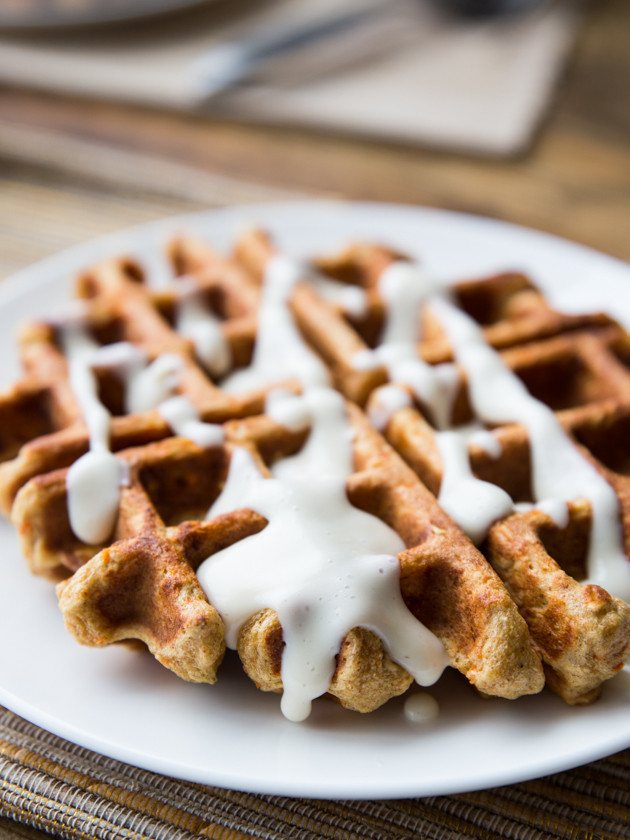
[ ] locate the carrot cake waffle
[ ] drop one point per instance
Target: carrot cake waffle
(350, 473)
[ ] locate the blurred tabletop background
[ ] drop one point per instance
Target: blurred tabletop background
(74, 166)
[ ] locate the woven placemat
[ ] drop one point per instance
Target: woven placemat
(56, 786)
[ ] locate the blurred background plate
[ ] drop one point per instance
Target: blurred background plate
(44, 14)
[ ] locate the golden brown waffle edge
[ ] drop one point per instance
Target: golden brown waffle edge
(492, 625)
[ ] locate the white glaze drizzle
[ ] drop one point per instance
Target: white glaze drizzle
(404, 288)
(560, 472)
(323, 565)
(195, 320)
(556, 509)
(328, 448)
(483, 438)
(293, 414)
(473, 504)
(273, 361)
(94, 480)
(384, 403)
(157, 269)
(184, 420)
(421, 707)
(351, 299)
(435, 386)
(149, 385)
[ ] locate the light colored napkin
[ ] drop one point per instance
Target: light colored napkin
(412, 73)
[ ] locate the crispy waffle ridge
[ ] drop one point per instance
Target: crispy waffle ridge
(503, 601)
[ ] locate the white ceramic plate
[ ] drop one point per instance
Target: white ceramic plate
(125, 705)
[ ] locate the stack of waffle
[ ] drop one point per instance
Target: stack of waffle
(356, 387)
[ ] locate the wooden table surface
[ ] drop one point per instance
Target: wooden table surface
(71, 169)
(87, 167)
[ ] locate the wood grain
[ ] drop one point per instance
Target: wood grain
(574, 182)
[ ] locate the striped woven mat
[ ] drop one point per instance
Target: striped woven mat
(70, 792)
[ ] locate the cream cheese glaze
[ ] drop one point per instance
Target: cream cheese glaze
(183, 418)
(560, 471)
(196, 321)
(405, 288)
(385, 402)
(93, 482)
(473, 504)
(421, 707)
(321, 564)
(351, 299)
(279, 352)
(328, 449)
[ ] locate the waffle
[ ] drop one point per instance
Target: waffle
(577, 366)
(43, 428)
(215, 447)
